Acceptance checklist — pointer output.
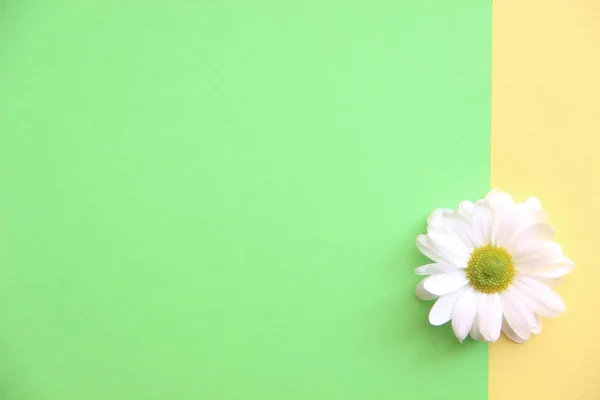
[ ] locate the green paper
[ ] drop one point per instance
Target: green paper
(219, 200)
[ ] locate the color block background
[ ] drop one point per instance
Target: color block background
(219, 200)
(545, 140)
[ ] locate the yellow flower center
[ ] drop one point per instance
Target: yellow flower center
(491, 269)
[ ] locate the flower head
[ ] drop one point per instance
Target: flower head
(494, 266)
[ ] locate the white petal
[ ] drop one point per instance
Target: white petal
(546, 301)
(538, 328)
(552, 282)
(560, 267)
(521, 216)
(423, 294)
(518, 315)
(502, 204)
(536, 232)
(509, 223)
(452, 223)
(425, 247)
(448, 282)
(476, 332)
(510, 333)
(441, 312)
(533, 203)
(549, 273)
(466, 209)
(450, 249)
(435, 222)
(536, 214)
(491, 193)
(499, 201)
(482, 223)
(437, 268)
(464, 313)
(443, 250)
(537, 255)
(489, 314)
(564, 260)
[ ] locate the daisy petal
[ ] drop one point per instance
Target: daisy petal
(450, 248)
(564, 260)
(426, 248)
(466, 209)
(549, 272)
(499, 201)
(435, 222)
(442, 250)
(452, 223)
(507, 224)
(538, 328)
(464, 313)
(553, 282)
(510, 333)
(502, 205)
(546, 301)
(533, 203)
(441, 312)
(518, 315)
(475, 331)
(482, 223)
(536, 232)
(537, 255)
(437, 268)
(423, 294)
(559, 268)
(448, 282)
(489, 316)
(536, 214)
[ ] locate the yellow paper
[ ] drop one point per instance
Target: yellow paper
(546, 142)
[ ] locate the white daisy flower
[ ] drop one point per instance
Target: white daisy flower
(494, 263)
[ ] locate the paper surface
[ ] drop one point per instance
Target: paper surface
(219, 200)
(545, 138)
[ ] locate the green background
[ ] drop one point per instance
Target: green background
(219, 199)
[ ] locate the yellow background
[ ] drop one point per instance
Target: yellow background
(546, 142)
